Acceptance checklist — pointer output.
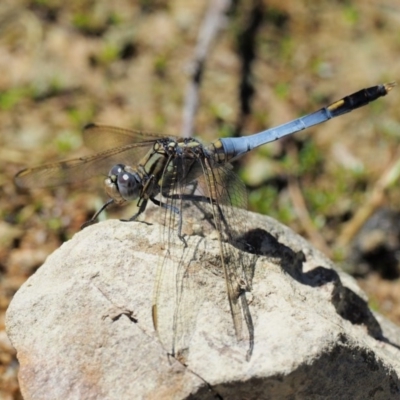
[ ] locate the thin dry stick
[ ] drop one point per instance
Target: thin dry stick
(213, 22)
(301, 210)
(303, 215)
(374, 200)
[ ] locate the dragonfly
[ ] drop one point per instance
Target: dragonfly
(172, 173)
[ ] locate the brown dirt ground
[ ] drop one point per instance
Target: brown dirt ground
(64, 64)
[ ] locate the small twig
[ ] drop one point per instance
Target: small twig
(213, 22)
(247, 48)
(303, 215)
(301, 210)
(373, 201)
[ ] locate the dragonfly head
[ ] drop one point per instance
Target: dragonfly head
(123, 183)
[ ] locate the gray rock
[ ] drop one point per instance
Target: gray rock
(83, 329)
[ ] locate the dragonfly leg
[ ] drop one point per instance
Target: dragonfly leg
(164, 205)
(142, 207)
(176, 211)
(93, 219)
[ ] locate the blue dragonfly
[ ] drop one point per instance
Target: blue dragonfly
(175, 173)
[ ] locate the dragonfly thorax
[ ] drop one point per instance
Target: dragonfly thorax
(123, 183)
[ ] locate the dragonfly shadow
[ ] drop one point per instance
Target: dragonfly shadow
(348, 304)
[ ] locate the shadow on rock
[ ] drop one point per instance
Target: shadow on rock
(347, 303)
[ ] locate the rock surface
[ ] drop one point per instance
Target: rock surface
(82, 325)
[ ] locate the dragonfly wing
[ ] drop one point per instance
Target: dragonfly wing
(228, 195)
(177, 295)
(182, 280)
(114, 146)
(80, 169)
(179, 275)
(101, 137)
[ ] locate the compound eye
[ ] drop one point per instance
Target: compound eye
(129, 184)
(123, 183)
(115, 171)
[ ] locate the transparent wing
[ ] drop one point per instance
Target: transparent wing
(83, 168)
(228, 194)
(183, 280)
(174, 311)
(102, 137)
(115, 146)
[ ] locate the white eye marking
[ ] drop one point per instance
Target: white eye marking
(119, 169)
